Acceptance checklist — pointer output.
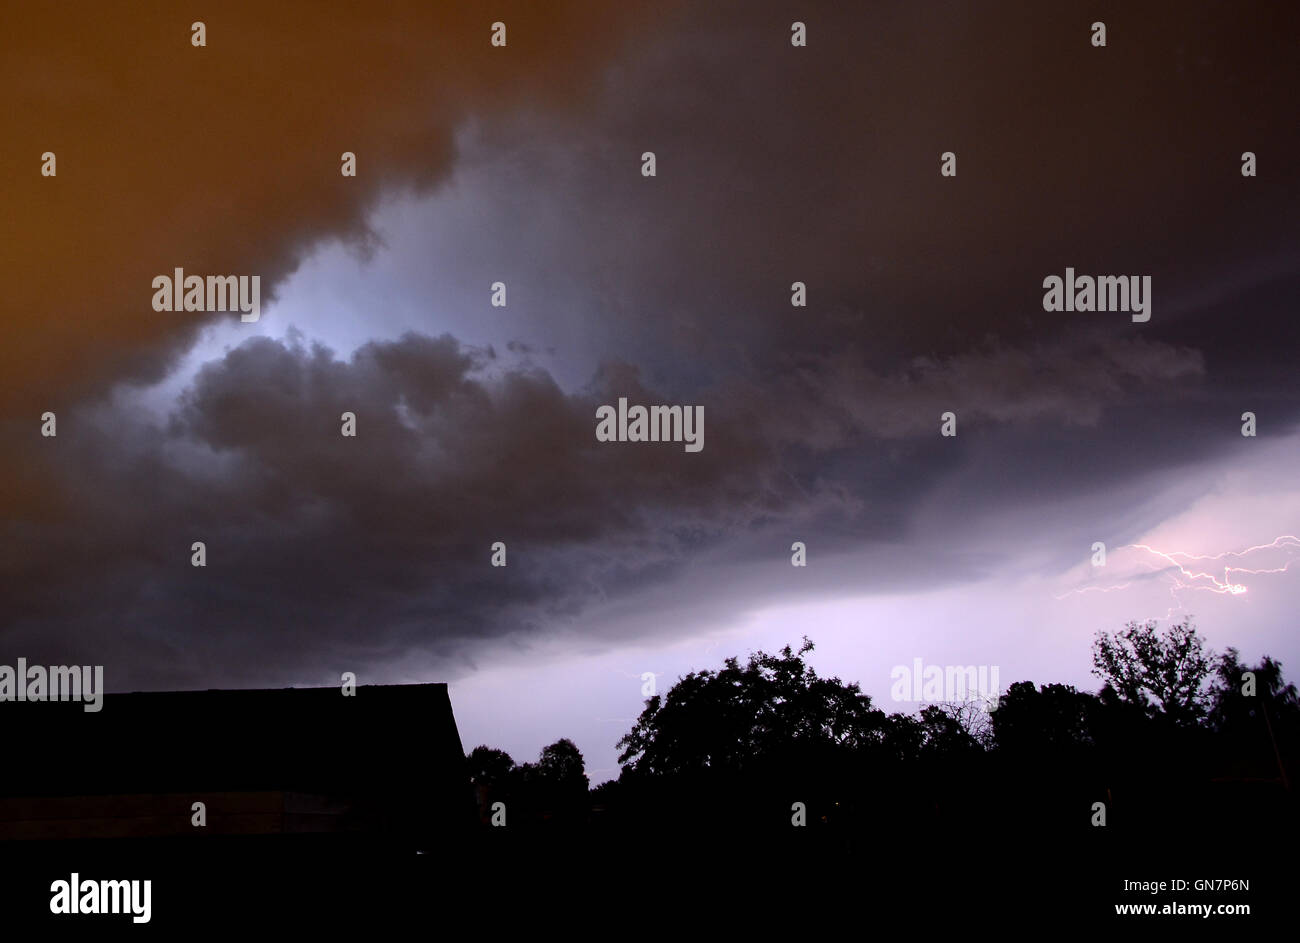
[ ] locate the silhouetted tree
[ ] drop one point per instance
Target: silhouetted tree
(561, 782)
(488, 766)
(1229, 698)
(1138, 664)
(953, 729)
(561, 764)
(957, 726)
(1055, 718)
(732, 719)
(1256, 713)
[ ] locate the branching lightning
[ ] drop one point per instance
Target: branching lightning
(1186, 571)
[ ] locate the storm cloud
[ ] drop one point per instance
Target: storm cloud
(475, 424)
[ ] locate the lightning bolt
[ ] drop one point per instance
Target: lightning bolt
(1186, 571)
(1287, 542)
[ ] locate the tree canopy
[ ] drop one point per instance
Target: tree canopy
(1160, 672)
(746, 714)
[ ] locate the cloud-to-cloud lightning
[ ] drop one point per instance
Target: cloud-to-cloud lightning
(1186, 571)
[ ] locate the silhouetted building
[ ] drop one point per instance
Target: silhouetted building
(385, 762)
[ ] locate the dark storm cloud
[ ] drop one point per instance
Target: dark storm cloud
(775, 165)
(327, 551)
(822, 165)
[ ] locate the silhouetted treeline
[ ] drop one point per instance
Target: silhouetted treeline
(1176, 738)
(552, 789)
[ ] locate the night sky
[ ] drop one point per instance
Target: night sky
(523, 164)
